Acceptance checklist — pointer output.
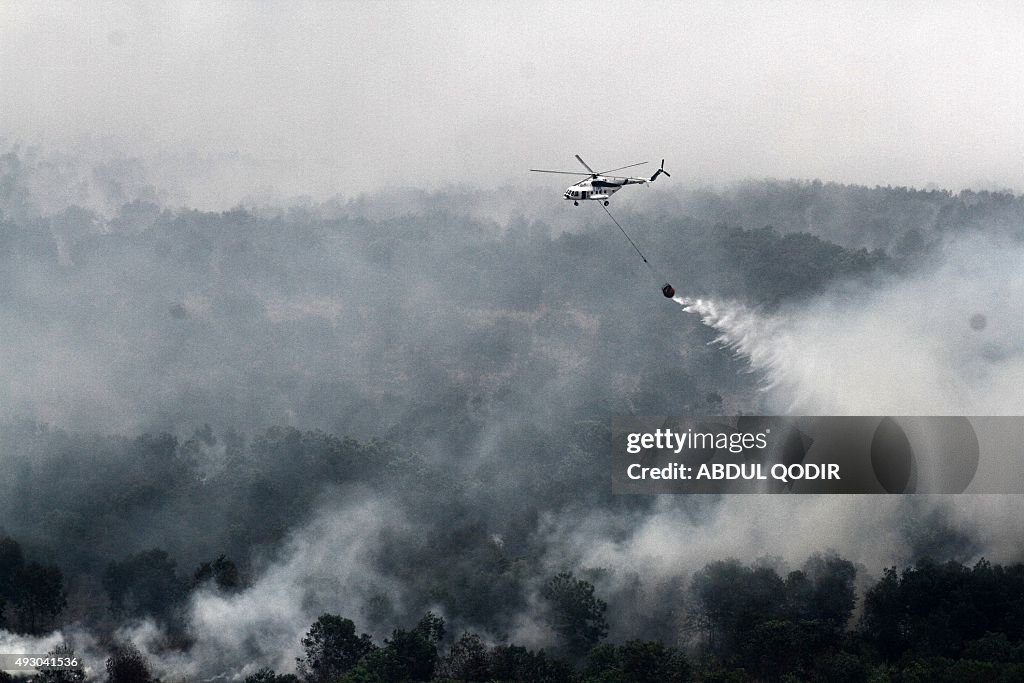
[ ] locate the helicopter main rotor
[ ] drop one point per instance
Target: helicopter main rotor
(592, 173)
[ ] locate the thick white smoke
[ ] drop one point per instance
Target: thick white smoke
(15, 644)
(91, 656)
(944, 341)
(325, 566)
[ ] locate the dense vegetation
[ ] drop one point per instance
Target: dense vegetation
(732, 620)
(188, 398)
(930, 621)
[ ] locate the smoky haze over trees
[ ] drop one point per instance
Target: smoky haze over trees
(369, 438)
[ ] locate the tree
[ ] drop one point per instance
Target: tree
(144, 584)
(39, 596)
(409, 655)
(841, 667)
(516, 663)
(731, 599)
(127, 665)
(431, 628)
(575, 613)
(466, 660)
(332, 648)
(636, 662)
(775, 647)
(74, 674)
(406, 656)
(11, 562)
(33, 592)
(933, 609)
(833, 595)
(267, 675)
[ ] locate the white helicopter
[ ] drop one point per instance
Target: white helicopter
(599, 186)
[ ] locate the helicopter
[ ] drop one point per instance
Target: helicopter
(599, 186)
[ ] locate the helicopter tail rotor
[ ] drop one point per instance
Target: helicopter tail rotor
(660, 171)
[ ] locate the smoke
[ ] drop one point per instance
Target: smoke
(82, 642)
(326, 566)
(289, 313)
(13, 643)
(941, 341)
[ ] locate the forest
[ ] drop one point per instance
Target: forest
(368, 439)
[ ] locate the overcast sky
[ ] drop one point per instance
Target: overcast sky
(353, 95)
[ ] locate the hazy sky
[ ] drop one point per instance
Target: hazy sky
(348, 96)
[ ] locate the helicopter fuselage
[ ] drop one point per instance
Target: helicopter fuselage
(598, 188)
(600, 185)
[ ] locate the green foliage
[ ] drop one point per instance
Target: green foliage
(994, 647)
(331, 649)
(31, 594)
(268, 675)
(831, 595)
(730, 599)
(39, 597)
(11, 563)
(71, 675)
(144, 584)
(574, 613)
(409, 655)
(933, 609)
(945, 670)
(431, 628)
(515, 663)
(841, 667)
(775, 647)
(127, 665)
(713, 672)
(406, 656)
(636, 662)
(753, 618)
(784, 266)
(362, 673)
(467, 660)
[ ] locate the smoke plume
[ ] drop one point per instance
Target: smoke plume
(941, 341)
